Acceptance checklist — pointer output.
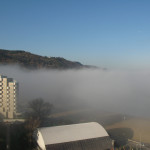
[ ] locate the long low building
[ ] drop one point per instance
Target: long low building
(84, 136)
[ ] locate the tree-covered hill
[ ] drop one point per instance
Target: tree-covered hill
(33, 61)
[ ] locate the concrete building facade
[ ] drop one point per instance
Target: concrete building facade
(8, 96)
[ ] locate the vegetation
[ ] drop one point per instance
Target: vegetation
(2, 136)
(139, 126)
(39, 115)
(20, 134)
(32, 61)
(39, 110)
(1, 117)
(120, 135)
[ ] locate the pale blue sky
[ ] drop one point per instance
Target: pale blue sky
(107, 33)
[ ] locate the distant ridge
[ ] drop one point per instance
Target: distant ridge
(33, 61)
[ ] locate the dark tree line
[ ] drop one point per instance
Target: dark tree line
(21, 133)
(32, 61)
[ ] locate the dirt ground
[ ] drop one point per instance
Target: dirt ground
(140, 127)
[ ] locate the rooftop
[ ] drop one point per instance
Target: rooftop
(75, 132)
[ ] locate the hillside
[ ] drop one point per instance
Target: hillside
(33, 61)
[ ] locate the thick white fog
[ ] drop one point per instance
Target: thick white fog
(119, 91)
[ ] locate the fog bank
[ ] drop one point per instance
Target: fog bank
(118, 91)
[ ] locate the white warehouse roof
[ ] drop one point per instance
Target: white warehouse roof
(68, 133)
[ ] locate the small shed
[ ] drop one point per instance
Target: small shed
(84, 136)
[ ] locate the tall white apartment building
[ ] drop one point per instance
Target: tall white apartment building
(8, 96)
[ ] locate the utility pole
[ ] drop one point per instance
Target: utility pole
(140, 140)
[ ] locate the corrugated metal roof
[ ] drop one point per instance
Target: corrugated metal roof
(75, 132)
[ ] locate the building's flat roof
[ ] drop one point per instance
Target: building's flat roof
(75, 132)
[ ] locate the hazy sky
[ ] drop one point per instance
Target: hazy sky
(107, 33)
